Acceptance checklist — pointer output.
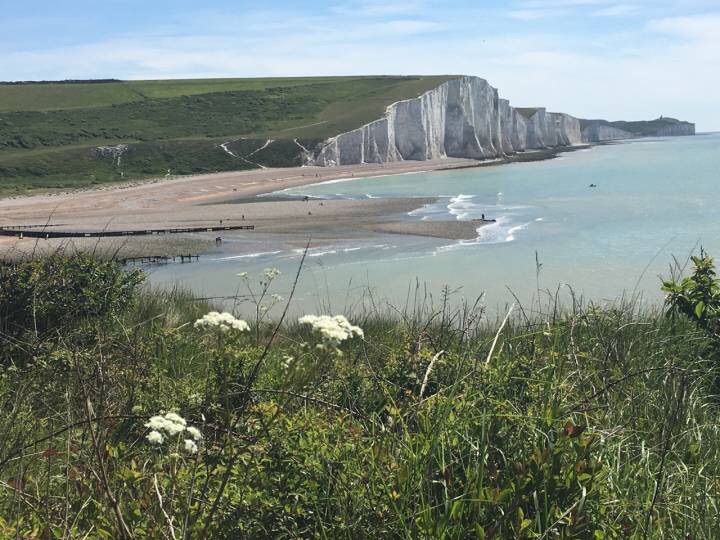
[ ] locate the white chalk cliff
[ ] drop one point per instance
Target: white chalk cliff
(462, 118)
(600, 132)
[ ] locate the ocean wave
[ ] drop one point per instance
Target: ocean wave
(248, 255)
(322, 253)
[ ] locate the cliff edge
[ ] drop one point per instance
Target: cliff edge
(462, 118)
(466, 118)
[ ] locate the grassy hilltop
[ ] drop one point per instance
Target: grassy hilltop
(49, 132)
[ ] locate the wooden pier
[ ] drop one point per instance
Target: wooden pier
(159, 259)
(22, 232)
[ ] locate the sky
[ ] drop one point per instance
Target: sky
(590, 58)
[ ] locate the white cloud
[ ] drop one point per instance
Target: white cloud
(564, 3)
(369, 8)
(531, 14)
(618, 10)
(698, 28)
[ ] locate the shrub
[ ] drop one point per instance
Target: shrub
(57, 291)
(696, 296)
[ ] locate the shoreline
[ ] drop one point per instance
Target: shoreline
(233, 198)
(328, 174)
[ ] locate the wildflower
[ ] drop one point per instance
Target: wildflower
(156, 422)
(276, 298)
(172, 417)
(224, 321)
(332, 329)
(171, 423)
(194, 432)
(270, 273)
(242, 275)
(155, 437)
(190, 446)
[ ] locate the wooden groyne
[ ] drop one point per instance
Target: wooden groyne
(21, 232)
(159, 259)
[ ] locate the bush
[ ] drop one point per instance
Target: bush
(58, 291)
(697, 296)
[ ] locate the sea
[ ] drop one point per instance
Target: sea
(603, 224)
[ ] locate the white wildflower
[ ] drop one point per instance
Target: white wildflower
(194, 432)
(172, 417)
(224, 321)
(156, 423)
(332, 329)
(270, 273)
(155, 437)
(288, 361)
(171, 423)
(242, 275)
(276, 298)
(190, 446)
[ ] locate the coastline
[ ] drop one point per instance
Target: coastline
(236, 198)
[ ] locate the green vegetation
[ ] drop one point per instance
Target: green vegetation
(49, 132)
(527, 112)
(124, 419)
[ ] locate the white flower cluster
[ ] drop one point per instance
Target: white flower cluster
(170, 425)
(332, 329)
(223, 321)
(270, 273)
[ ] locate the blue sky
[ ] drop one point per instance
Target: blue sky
(591, 58)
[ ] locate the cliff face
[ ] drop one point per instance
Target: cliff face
(600, 133)
(602, 130)
(461, 118)
(680, 129)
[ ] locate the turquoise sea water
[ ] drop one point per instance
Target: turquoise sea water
(655, 199)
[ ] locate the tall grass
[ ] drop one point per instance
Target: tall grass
(567, 422)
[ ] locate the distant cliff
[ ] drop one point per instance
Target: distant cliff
(602, 130)
(462, 117)
(465, 118)
(597, 132)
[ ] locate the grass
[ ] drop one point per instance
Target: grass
(583, 422)
(48, 131)
(527, 112)
(48, 97)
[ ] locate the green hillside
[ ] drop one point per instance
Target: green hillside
(49, 132)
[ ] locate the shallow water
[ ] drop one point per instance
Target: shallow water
(655, 199)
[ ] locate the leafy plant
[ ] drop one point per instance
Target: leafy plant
(696, 296)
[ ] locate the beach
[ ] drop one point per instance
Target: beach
(226, 199)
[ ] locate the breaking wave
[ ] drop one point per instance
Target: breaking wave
(509, 219)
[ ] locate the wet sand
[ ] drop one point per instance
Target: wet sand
(205, 200)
